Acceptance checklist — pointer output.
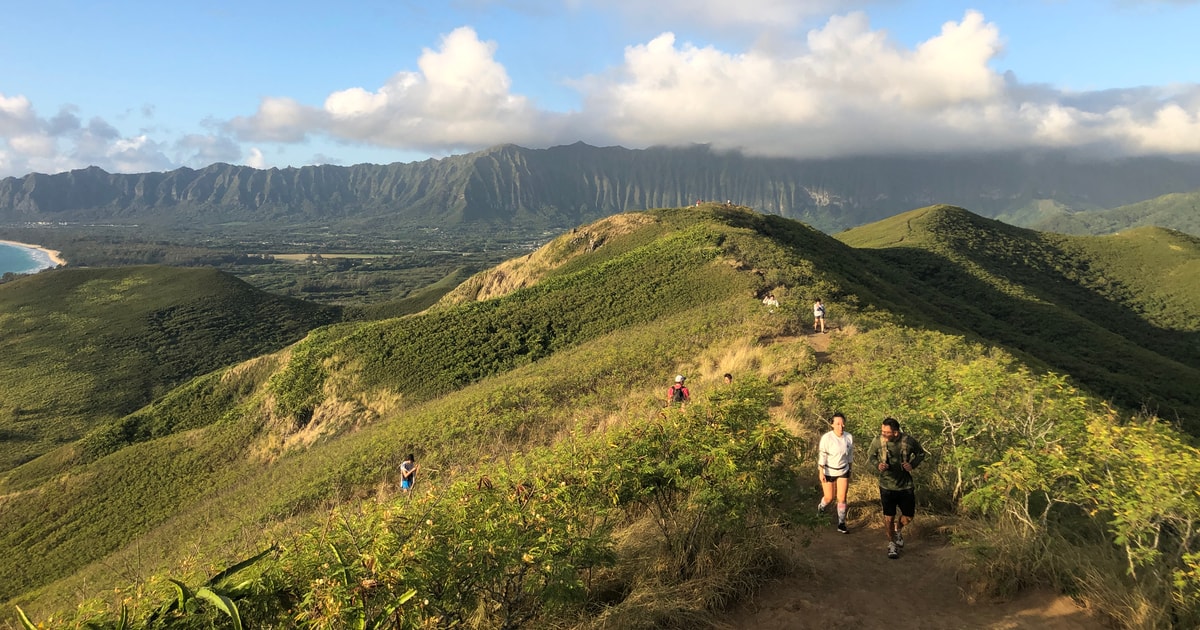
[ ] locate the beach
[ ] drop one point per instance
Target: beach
(50, 257)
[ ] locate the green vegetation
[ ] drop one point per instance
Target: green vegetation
(1117, 313)
(1054, 487)
(556, 491)
(1178, 211)
(84, 347)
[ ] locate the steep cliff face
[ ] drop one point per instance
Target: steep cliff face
(569, 185)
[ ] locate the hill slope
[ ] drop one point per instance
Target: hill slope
(1115, 312)
(571, 350)
(83, 347)
(1176, 211)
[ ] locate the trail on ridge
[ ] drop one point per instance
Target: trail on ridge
(846, 581)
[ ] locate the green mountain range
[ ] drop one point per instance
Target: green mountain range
(557, 490)
(561, 187)
(1176, 211)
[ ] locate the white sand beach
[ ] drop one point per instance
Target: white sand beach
(51, 257)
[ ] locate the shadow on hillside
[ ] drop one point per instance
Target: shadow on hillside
(1107, 348)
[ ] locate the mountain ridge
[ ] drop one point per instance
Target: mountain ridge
(1076, 302)
(565, 186)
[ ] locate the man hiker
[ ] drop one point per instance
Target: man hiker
(895, 455)
(678, 395)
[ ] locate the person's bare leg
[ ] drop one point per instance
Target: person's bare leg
(827, 494)
(843, 487)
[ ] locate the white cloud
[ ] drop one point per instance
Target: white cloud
(31, 143)
(256, 158)
(841, 88)
(277, 120)
(847, 89)
(460, 99)
(854, 91)
(34, 145)
(849, 80)
(200, 150)
(16, 115)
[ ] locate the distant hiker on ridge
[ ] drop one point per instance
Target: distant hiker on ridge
(835, 455)
(678, 394)
(895, 455)
(818, 316)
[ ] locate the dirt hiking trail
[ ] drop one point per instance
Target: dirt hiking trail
(846, 581)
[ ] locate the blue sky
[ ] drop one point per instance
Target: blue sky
(139, 86)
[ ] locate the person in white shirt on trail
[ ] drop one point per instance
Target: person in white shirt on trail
(835, 456)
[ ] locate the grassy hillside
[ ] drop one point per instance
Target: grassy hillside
(1117, 313)
(556, 491)
(1177, 211)
(353, 375)
(83, 347)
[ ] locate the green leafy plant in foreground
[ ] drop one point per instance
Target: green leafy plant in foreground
(188, 606)
(1139, 479)
(532, 540)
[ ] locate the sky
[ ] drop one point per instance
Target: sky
(137, 86)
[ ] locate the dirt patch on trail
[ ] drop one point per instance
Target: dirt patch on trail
(846, 581)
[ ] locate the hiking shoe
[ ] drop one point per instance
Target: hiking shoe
(842, 528)
(893, 553)
(899, 541)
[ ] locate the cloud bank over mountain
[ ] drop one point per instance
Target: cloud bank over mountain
(842, 87)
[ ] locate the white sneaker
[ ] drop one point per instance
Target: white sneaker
(899, 540)
(892, 552)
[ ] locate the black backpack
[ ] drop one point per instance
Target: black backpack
(677, 393)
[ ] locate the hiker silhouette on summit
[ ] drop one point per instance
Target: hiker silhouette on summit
(895, 455)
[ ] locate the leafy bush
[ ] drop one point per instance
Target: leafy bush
(533, 539)
(1038, 463)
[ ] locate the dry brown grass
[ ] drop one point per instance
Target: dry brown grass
(650, 595)
(526, 270)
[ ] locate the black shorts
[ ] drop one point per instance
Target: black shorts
(906, 500)
(832, 478)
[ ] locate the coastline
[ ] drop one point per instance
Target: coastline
(52, 257)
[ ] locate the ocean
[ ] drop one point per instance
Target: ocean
(22, 259)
